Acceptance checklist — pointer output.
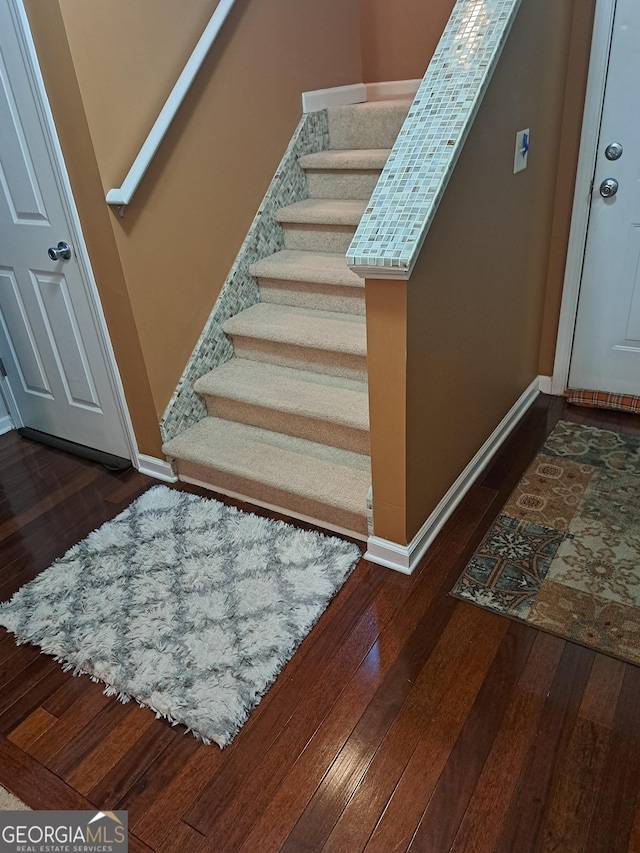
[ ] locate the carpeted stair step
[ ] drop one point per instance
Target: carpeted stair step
(320, 225)
(320, 341)
(374, 124)
(350, 174)
(327, 409)
(301, 477)
(318, 280)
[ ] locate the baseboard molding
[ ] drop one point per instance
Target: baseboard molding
(6, 424)
(159, 469)
(546, 384)
(338, 96)
(392, 89)
(357, 93)
(404, 558)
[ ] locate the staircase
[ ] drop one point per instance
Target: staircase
(287, 423)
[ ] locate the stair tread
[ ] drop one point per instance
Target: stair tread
(313, 267)
(355, 158)
(326, 330)
(320, 211)
(296, 392)
(338, 478)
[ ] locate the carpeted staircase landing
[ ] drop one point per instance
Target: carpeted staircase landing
(288, 415)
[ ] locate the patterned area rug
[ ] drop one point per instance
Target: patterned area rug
(188, 606)
(564, 554)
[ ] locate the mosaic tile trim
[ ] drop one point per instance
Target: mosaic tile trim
(405, 200)
(240, 290)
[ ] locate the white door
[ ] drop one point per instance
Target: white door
(52, 353)
(606, 348)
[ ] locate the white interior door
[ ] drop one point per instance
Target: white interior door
(606, 347)
(52, 352)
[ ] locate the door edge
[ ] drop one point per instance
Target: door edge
(592, 116)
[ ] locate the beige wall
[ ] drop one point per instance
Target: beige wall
(475, 300)
(399, 37)
(180, 235)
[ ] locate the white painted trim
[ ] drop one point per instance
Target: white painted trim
(123, 194)
(386, 273)
(598, 64)
(404, 558)
(80, 247)
(343, 531)
(545, 384)
(6, 424)
(392, 89)
(357, 93)
(337, 96)
(159, 469)
(7, 397)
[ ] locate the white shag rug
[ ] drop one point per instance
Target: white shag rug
(10, 803)
(188, 606)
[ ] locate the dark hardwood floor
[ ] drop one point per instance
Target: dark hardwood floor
(407, 720)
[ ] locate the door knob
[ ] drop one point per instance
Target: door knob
(609, 188)
(61, 252)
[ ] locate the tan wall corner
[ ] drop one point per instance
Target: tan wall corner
(386, 303)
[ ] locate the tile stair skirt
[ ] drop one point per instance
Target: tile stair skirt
(393, 228)
(287, 416)
(240, 289)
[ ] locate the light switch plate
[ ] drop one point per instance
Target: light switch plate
(522, 151)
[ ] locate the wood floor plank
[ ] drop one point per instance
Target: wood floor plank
(184, 838)
(524, 822)
(69, 692)
(52, 677)
(87, 739)
(463, 632)
(34, 784)
(442, 817)
(178, 768)
(299, 786)
(504, 645)
(573, 799)
(70, 723)
(612, 829)
(111, 789)
(122, 737)
(489, 802)
(31, 728)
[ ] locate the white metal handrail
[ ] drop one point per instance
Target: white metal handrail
(121, 196)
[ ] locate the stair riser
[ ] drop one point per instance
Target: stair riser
(312, 429)
(260, 493)
(318, 238)
(317, 297)
(342, 184)
(303, 358)
(359, 127)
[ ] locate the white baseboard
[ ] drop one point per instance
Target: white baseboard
(357, 93)
(159, 469)
(404, 558)
(338, 96)
(392, 89)
(546, 384)
(6, 424)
